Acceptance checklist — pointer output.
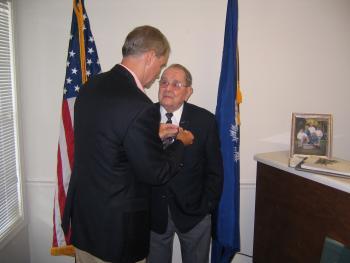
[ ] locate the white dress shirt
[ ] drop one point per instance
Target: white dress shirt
(176, 115)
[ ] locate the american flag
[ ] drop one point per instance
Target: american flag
(82, 63)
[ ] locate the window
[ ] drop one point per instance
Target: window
(11, 209)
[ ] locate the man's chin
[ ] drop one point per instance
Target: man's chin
(166, 101)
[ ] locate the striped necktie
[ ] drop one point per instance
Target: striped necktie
(169, 115)
(169, 140)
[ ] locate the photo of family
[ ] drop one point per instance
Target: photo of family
(311, 134)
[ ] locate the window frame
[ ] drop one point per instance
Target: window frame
(19, 223)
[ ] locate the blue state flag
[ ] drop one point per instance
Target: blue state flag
(226, 240)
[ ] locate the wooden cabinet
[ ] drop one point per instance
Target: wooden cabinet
(295, 211)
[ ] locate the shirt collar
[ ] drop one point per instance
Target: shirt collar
(138, 82)
(176, 117)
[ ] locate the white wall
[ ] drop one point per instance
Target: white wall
(294, 58)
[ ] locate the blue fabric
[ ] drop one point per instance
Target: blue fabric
(226, 242)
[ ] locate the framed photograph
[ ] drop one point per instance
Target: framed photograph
(311, 135)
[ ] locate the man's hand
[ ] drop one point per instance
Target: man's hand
(185, 136)
(167, 130)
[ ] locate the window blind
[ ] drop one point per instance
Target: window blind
(11, 211)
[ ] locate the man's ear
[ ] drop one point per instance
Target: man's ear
(149, 57)
(189, 93)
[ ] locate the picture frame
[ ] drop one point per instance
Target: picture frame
(311, 135)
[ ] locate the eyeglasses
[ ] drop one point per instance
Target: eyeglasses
(176, 84)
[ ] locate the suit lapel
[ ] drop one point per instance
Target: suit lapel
(157, 105)
(185, 117)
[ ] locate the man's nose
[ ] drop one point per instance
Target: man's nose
(168, 87)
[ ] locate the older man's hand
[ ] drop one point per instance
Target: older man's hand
(185, 136)
(167, 130)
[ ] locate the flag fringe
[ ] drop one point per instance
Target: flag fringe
(78, 9)
(63, 251)
(239, 97)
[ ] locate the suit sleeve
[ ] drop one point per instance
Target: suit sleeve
(214, 167)
(151, 164)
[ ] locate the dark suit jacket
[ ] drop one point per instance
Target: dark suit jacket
(118, 156)
(197, 190)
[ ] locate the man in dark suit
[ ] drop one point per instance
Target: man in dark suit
(184, 204)
(118, 155)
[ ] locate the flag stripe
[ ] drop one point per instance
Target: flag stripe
(71, 102)
(68, 132)
(61, 192)
(54, 241)
(59, 235)
(63, 162)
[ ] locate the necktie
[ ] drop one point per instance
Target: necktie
(169, 140)
(169, 115)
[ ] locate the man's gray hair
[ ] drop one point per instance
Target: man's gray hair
(143, 39)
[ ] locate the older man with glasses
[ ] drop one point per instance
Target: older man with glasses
(183, 205)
